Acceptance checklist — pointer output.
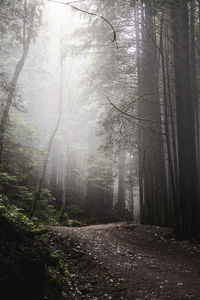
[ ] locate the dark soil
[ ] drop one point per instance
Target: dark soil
(23, 265)
(120, 261)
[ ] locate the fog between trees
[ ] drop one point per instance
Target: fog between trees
(97, 128)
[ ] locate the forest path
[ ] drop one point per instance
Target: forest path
(119, 261)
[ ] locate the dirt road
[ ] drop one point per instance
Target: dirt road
(119, 261)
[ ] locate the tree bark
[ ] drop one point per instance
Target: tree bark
(185, 112)
(152, 157)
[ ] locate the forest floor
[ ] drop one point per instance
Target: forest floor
(121, 261)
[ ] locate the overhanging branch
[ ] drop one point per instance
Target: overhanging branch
(132, 116)
(89, 13)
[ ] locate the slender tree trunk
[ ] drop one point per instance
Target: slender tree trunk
(64, 185)
(141, 150)
(121, 184)
(131, 188)
(49, 146)
(44, 165)
(27, 37)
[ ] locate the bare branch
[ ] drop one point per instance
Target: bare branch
(91, 14)
(132, 116)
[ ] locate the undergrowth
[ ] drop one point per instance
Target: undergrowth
(26, 258)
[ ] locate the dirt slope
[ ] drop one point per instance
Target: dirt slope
(117, 261)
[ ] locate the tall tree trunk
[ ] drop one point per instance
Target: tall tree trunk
(140, 135)
(194, 88)
(185, 112)
(166, 109)
(154, 175)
